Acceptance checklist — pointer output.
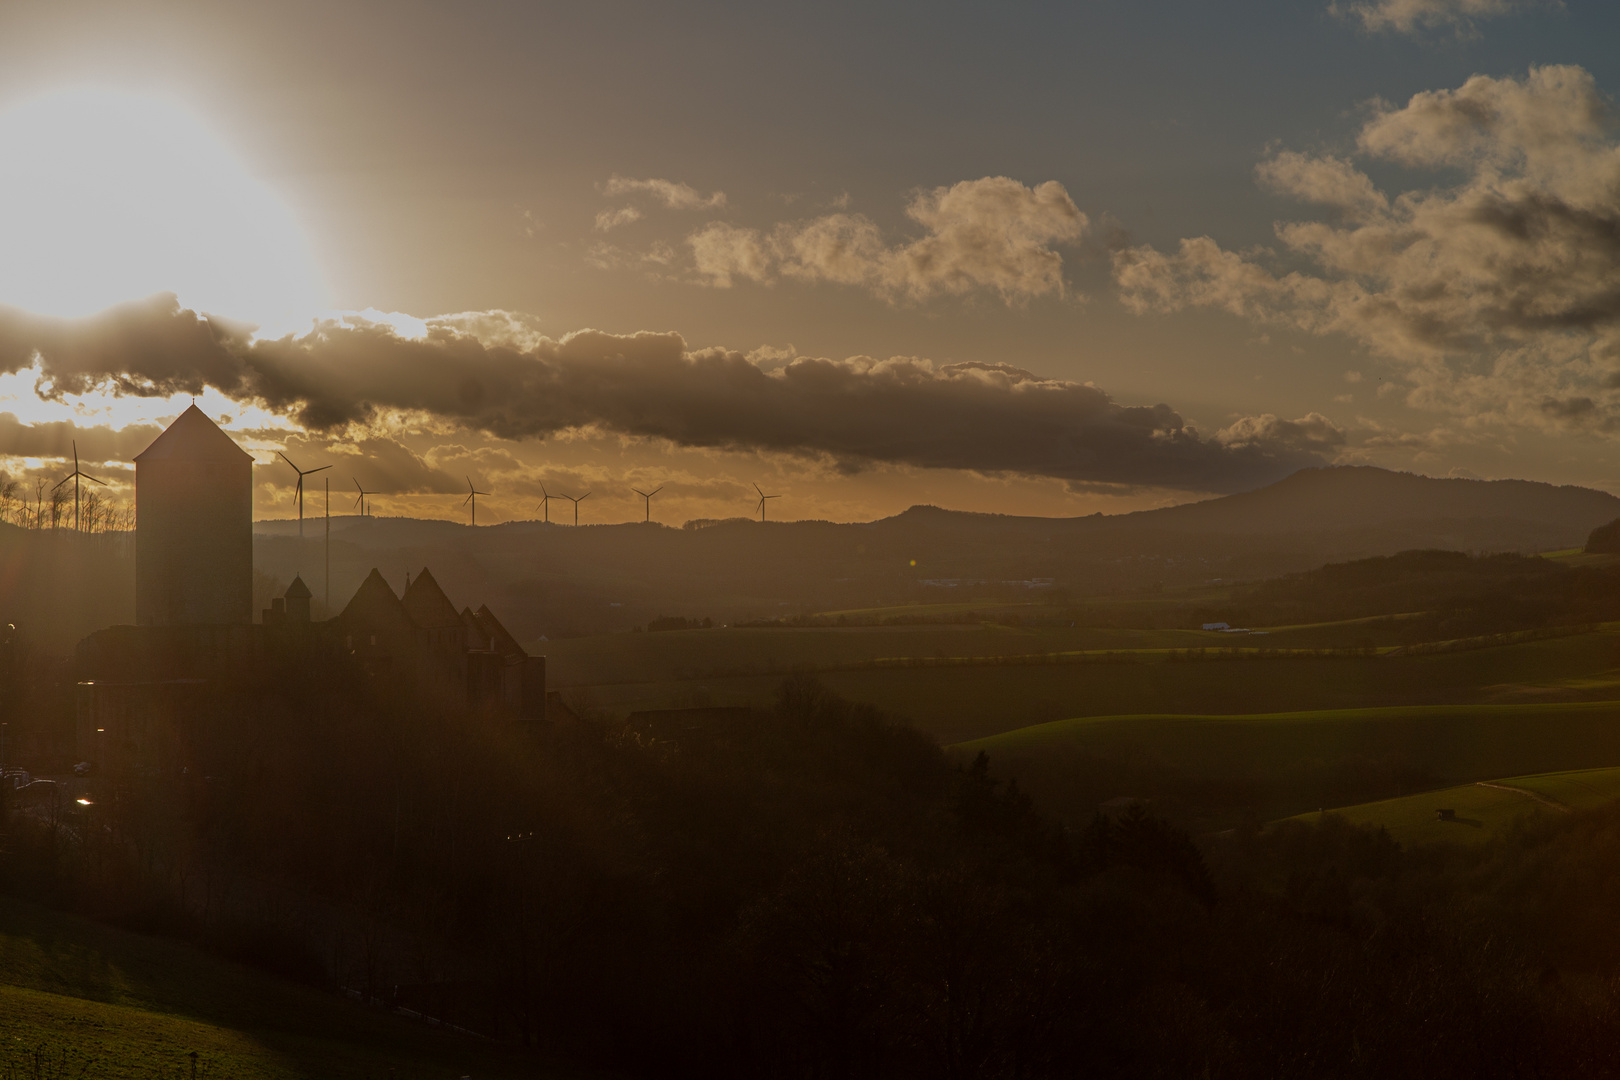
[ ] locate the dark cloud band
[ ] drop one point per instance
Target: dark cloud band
(859, 411)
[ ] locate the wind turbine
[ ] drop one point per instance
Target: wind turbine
(647, 495)
(472, 497)
(545, 502)
(576, 503)
(300, 490)
(360, 500)
(762, 498)
(74, 476)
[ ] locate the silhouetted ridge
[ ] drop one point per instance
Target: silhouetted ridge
(562, 580)
(1605, 539)
(1360, 495)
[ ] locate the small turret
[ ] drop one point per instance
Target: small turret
(297, 598)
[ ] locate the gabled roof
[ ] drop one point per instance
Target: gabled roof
(503, 642)
(427, 605)
(375, 605)
(298, 590)
(477, 636)
(193, 437)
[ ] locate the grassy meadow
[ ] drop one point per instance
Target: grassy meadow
(1215, 770)
(1213, 728)
(1121, 672)
(81, 999)
(1486, 810)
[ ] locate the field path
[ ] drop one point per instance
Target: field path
(1527, 793)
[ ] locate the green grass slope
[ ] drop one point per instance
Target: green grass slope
(624, 672)
(1483, 811)
(81, 999)
(1214, 768)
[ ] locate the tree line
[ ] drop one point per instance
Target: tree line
(52, 508)
(815, 890)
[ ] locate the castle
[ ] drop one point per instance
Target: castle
(194, 633)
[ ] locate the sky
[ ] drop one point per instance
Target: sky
(1023, 258)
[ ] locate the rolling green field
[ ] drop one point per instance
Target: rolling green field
(623, 672)
(734, 651)
(748, 650)
(1213, 769)
(91, 1001)
(1485, 810)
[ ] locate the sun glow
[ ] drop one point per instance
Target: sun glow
(108, 196)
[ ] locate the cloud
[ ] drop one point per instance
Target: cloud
(724, 252)
(1496, 291)
(673, 195)
(1312, 433)
(612, 219)
(1326, 181)
(350, 376)
(99, 444)
(375, 462)
(992, 234)
(1413, 16)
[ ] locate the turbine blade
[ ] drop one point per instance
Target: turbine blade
(761, 493)
(655, 491)
(289, 461)
(323, 468)
(93, 480)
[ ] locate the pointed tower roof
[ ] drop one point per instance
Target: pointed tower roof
(374, 604)
(501, 641)
(427, 605)
(193, 437)
(298, 590)
(477, 636)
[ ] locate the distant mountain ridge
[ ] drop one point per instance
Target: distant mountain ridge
(549, 579)
(1338, 497)
(1360, 495)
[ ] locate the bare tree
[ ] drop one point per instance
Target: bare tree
(93, 512)
(58, 507)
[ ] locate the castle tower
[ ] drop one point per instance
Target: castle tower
(193, 527)
(297, 597)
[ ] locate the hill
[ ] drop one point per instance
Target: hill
(1483, 810)
(81, 999)
(552, 580)
(1362, 497)
(1211, 769)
